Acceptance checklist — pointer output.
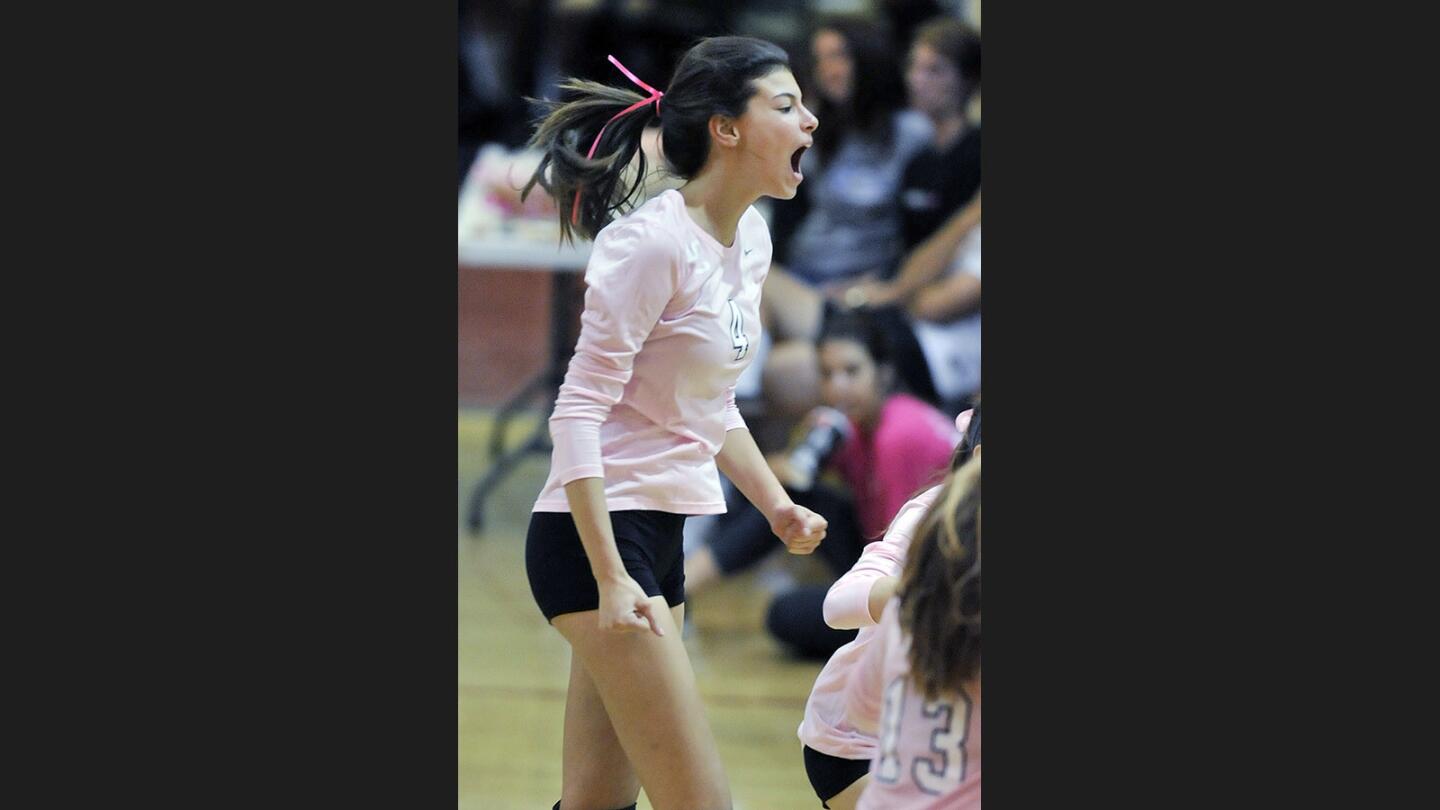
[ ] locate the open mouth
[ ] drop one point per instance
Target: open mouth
(795, 159)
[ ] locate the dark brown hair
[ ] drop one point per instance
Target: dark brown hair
(715, 77)
(877, 87)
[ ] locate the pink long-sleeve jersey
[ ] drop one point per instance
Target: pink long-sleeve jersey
(847, 606)
(671, 318)
(928, 757)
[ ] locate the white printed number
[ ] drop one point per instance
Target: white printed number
(946, 744)
(888, 770)
(738, 341)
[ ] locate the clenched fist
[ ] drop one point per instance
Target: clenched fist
(798, 528)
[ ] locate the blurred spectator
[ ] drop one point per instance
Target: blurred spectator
(938, 300)
(497, 70)
(943, 77)
(946, 318)
(845, 223)
(904, 16)
(850, 220)
(938, 291)
(892, 444)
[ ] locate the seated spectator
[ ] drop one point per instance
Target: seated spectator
(888, 446)
(943, 79)
(845, 223)
(938, 290)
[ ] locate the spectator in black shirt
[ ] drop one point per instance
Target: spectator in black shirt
(943, 76)
(940, 185)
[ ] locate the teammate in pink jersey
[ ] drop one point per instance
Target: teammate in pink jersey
(837, 755)
(647, 409)
(917, 688)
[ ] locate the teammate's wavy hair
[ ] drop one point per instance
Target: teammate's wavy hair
(940, 588)
(715, 77)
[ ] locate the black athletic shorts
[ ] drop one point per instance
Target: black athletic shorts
(651, 546)
(830, 775)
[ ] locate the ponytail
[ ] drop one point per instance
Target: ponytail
(714, 77)
(592, 185)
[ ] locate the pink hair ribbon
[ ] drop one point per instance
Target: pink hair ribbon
(655, 96)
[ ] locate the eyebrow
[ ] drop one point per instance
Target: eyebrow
(778, 95)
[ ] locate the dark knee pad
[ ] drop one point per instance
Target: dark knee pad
(626, 807)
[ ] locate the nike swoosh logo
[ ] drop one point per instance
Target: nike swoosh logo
(747, 252)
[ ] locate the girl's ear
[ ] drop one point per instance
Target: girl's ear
(724, 130)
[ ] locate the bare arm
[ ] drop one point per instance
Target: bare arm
(623, 603)
(947, 300)
(799, 528)
(930, 258)
(923, 265)
(880, 593)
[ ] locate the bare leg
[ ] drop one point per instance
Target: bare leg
(648, 691)
(596, 773)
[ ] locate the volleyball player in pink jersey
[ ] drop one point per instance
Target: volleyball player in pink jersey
(917, 687)
(647, 410)
(837, 754)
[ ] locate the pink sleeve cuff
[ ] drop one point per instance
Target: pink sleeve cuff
(847, 605)
(577, 450)
(576, 473)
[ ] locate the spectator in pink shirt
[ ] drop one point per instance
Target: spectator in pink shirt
(894, 446)
(647, 410)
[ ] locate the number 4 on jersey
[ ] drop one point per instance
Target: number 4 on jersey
(738, 341)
